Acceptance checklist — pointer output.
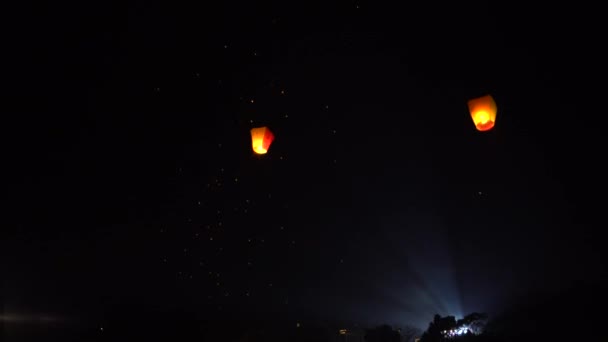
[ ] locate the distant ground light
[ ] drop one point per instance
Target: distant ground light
(24, 318)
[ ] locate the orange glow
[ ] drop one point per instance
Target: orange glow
(483, 112)
(261, 138)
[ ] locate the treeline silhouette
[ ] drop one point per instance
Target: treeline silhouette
(576, 314)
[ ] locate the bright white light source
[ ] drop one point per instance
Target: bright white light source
(462, 330)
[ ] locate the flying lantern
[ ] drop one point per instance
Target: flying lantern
(483, 112)
(261, 138)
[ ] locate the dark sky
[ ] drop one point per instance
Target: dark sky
(134, 187)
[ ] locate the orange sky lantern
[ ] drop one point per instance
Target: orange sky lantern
(261, 138)
(483, 112)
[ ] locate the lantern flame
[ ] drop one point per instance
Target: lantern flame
(261, 138)
(483, 112)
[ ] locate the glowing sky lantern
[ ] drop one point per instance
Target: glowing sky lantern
(261, 138)
(483, 112)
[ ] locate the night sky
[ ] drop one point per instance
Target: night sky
(134, 187)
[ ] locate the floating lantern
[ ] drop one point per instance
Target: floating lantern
(261, 138)
(483, 112)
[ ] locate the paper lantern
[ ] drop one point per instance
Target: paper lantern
(261, 138)
(483, 112)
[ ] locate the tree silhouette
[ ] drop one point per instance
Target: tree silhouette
(383, 333)
(409, 333)
(474, 324)
(437, 326)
